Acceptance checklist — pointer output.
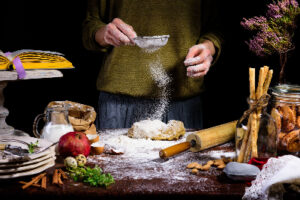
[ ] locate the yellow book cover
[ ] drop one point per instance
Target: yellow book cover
(34, 59)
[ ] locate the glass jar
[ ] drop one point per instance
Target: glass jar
(286, 112)
(56, 123)
(256, 133)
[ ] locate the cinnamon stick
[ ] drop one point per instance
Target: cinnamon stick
(63, 174)
(59, 179)
(44, 182)
(33, 181)
(33, 184)
(55, 177)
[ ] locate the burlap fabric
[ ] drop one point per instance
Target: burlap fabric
(81, 116)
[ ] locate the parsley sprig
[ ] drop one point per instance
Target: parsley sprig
(93, 176)
(32, 146)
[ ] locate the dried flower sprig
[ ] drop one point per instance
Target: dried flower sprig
(274, 31)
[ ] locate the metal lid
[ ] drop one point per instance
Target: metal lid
(286, 91)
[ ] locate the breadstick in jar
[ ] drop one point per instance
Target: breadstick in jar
(267, 81)
(247, 135)
(259, 92)
(261, 80)
(252, 82)
(254, 136)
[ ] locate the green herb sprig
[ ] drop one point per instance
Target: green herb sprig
(93, 176)
(32, 146)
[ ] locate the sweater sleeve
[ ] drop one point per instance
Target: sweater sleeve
(216, 40)
(212, 26)
(93, 22)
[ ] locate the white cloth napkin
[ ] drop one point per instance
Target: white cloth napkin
(268, 183)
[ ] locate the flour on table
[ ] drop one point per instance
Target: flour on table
(141, 159)
(220, 154)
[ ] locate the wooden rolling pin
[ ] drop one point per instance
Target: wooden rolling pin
(203, 139)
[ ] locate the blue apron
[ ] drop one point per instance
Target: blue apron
(121, 111)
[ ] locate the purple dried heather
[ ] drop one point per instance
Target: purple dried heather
(256, 45)
(273, 11)
(284, 5)
(275, 31)
(254, 23)
(294, 3)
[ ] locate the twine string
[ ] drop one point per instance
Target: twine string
(261, 103)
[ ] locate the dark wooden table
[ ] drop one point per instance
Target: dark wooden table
(213, 184)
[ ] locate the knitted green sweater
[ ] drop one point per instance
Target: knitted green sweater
(125, 69)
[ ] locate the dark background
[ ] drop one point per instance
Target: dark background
(57, 25)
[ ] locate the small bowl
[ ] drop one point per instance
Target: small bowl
(93, 138)
(97, 148)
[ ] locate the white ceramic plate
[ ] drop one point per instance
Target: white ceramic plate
(20, 164)
(42, 144)
(29, 172)
(25, 168)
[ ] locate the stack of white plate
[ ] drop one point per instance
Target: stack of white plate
(18, 166)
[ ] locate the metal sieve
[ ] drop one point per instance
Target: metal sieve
(151, 43)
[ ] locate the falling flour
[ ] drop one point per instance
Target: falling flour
(162, 80)
(150, 44)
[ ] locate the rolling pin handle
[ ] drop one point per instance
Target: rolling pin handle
(173, 150)
(2, 146)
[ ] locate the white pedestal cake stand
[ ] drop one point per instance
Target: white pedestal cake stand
(6, 77)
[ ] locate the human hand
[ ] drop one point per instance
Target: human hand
(199, 59)
(116, 33)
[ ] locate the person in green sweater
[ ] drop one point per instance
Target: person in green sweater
(127, 89)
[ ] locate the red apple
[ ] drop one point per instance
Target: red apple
(74, 143)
